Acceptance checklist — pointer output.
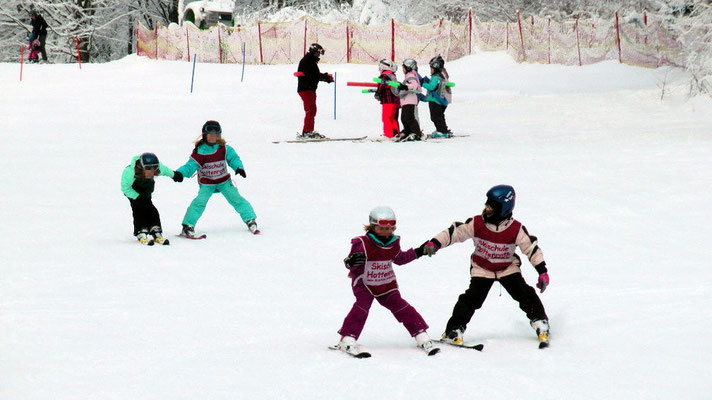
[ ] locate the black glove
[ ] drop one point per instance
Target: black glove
(355, 260)
(328, 78)
(177, 177)
(428, 248)
(402, 87)
(241, 172)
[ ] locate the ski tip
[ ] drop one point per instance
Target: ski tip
(363, 355)
(434, 351)
(543, 345)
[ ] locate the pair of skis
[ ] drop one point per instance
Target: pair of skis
(204, 236)
(431, 352)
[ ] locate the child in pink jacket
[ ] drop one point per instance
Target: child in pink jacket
(408, 93)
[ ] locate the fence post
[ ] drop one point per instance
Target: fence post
(187, 40)
(469, 22)
(79, 55)
(305, 36)
(136, 35)
(348, 48)
(155, 34)
(645, 22)
(507, 37)
(521, 37)
(549, 28)
(393, 39)
(220, 54)
(578, 47)
(259, 37)
(22, 60)
(618, 39)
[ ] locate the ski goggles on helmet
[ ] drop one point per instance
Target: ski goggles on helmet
(150, 167)
(212, 128)
(386, 222)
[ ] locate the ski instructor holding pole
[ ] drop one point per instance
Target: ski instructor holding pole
(308, 76)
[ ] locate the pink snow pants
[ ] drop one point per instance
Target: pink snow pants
(404, 312)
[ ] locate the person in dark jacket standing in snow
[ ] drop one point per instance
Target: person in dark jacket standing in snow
(308, 75)
(39, 31)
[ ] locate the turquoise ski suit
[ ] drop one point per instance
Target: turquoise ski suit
(223, 185)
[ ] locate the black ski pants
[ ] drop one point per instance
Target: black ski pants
(437, 115)
(145, 214)
(476, 294)
(410, 122)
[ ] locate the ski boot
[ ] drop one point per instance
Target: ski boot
(310, 135)
(157, 234)
(437, 134)
(252, 226)
(188, 231)
(541, 327)
(453, 336)
(426, 344)
(144, 238)
(348, 345)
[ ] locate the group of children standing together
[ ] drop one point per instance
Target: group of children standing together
(407, 94)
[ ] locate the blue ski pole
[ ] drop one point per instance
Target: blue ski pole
(243, 62)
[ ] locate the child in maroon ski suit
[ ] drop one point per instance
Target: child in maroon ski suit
(372, 277)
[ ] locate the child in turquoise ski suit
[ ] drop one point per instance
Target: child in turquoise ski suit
(439, 96)
(211, 158)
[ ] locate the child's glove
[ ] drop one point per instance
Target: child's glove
(426, 79)
(241, 172)
(421, 97)
(355, 260)
(428, 248)
(543, 282)
(402, 87)
(177, 176)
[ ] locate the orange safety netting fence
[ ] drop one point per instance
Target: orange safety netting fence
(541, 40)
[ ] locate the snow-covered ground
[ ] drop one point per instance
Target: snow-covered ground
(613, 181)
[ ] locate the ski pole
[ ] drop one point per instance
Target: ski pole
(192, 78)
(366, 84)
(243, 62)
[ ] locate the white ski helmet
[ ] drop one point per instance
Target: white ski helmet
(410, 64)
(382, 214)
(387, 65)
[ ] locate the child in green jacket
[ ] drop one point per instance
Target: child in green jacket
(137, 184)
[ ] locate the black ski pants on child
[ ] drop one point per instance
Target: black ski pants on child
(476, 294)
(410, 122)
(437, 115)
(145, 214)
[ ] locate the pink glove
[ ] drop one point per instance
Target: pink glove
(543, 282)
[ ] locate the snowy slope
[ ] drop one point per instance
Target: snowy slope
(613, 181)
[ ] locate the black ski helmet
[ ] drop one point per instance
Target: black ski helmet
(437, 63)
(211, 127)
(501, 198)
(148, 161)
(316, 49)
